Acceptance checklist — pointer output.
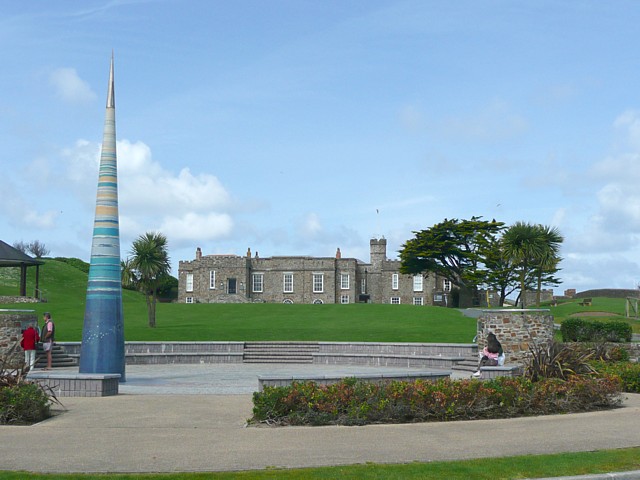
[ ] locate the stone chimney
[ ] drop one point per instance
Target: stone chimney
(248, 252)
(198, 253)
(338, 254)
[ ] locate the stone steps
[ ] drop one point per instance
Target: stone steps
(59, 358)
(279, 352)
(469, 364)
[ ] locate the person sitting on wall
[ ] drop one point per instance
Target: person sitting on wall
(492, 355)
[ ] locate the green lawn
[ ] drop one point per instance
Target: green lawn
(65, 290)
(529, 466)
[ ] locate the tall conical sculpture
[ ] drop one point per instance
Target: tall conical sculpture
(103, 333)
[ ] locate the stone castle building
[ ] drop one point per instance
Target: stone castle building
(300, 279)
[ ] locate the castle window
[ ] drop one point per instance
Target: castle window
(287, 301)
(363, 285)
(317, 301)
(344, 299)
(287, 281)
(344, 281)
(395, 300)
(189, 283)
(212, 279)
(417, 283)
(189, 300)
(418, 301)
(318, 282)
(446, 285)
(258, 282)
(394, 281)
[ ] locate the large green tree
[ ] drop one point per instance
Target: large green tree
(454, 249)
(150, 261)
(502, 276)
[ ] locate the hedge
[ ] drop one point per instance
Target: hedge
(583, 330)
(357, 402)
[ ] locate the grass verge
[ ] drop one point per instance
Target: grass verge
(528, 466)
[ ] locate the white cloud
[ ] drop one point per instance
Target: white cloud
(184, 207)
(310, 227)
(19, 212)
(193, 227)
(70, 87)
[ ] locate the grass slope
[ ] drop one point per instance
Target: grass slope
(65, 288)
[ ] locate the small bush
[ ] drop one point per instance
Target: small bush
(75, 262)
(355, 402)
(582, 330)
(22, 402)
(628, 373)
(559, 360)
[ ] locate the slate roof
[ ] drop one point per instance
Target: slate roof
(11, 257)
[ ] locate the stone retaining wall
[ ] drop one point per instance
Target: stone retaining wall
(12, 322)
(517, 330)
(8, 299)
(77, 384)
(284, 381)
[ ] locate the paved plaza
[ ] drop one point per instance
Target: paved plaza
(182, 418)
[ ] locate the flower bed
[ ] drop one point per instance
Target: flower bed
(354, 402)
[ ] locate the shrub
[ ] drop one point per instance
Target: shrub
(582, 330)
(355, 402)
(628, 373)
(559, 360)
(75, 262)
(22, 402)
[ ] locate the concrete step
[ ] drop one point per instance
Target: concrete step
(469, 364)
(277, 360)
(59, 358)
(279, 352)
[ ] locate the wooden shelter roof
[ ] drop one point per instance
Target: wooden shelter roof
(12, 257)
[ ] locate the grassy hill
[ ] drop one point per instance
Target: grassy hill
(64, 287)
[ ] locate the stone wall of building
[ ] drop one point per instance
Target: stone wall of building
(209, 279)
(12, 323)
(517, 330)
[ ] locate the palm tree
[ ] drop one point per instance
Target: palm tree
(523, 245)
(150, 260)
(549, 258)
(128, 274)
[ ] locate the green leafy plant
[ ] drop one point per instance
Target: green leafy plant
(583, 330)
(558, 360)
(356, 402)
(627, 372)
(22, 402)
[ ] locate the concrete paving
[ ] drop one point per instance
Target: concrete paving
(183, 418)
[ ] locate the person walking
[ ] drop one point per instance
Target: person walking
(30, 337)
(48, 337)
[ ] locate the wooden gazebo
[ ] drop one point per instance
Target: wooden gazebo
(12, 257)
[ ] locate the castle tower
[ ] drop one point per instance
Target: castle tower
(103, 331)
(378, 252)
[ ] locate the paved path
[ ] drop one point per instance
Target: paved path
(190, 431)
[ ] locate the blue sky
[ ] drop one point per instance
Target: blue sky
(297, 127)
